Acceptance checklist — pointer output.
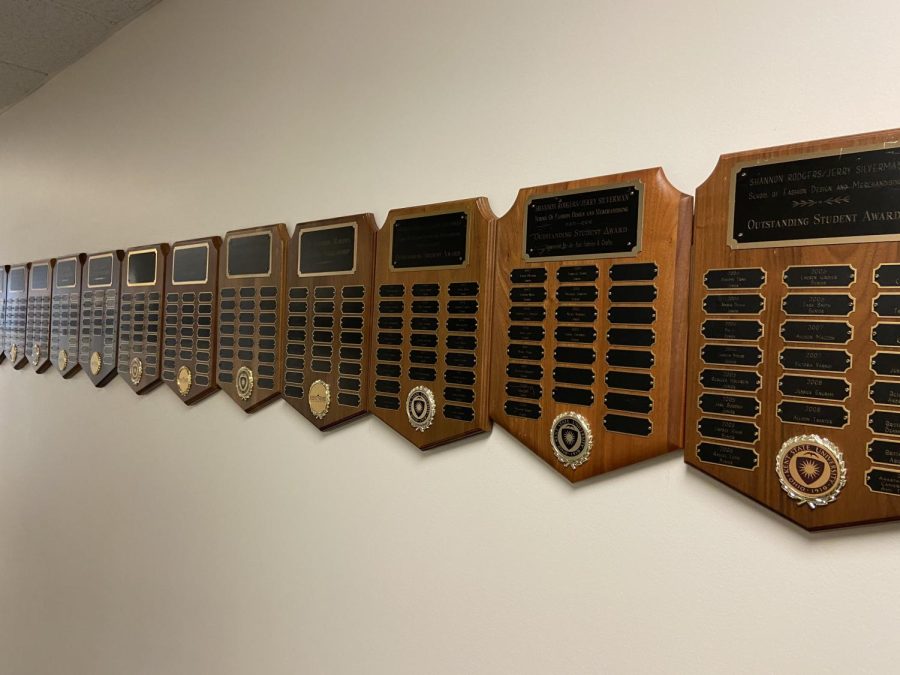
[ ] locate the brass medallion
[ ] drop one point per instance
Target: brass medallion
(96, 363)
(244, 383)
(420, 407)
(35, 354)
(811, 470)
(572, 440)
(319, 399)
(14, 353)
(136, 371)
(184, 380)
(62, 359)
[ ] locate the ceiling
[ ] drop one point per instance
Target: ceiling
(38, 38)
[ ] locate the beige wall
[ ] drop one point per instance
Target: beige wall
(138, 536)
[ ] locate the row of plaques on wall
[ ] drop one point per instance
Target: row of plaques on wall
(601, 322)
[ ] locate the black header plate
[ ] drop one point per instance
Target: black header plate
(66, 274)
(430, 241)
(250, 255)
(328, 250)
(190, 264)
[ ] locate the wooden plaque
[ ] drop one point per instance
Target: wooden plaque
(794, 358)
(99, 329)
(140, 316)
(589, 329)
(328, 318)
(16, 313)
(4, 270)
(66, 311)
(251, 304)
(37, 323)
(189, 334)
(430, 345)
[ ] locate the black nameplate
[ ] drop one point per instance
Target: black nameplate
(825, 360)
(574, 355)
(804, 386)
(526, 333)
(825, 332)
(328, 250)
(391, 290)
(635, 381)
(734, 278)
(633, 272)
(66, 274)
(576, 314)
(721, 404)
(580, 376)
(635, 315)
(635, 426)
(886, 334)
(632, 293)
(525, 352)
(190, 264)
(886, 363)
(528, 275)
(575, 334)
(40, 277)
(731, 329)
(731, 355)
(728, 430)
(519, 409)
(142, 268)
(888, 276)
(725, 455)
(573, 396)
(576, 293)
(885, 393)
(527, 314)
(631, 337)
(528, 294)
(580, 273)
(634, 403)
(629, 358)
(887, 305)
(16, 283)
(884, 482)
(733, 304)
(250, 255)
(521, 390)
(584, 224)
(884, 452)
(430, 241)
(819, 276)
(734, 380)
(99, 271)
(426, 290)
(817, 305)
(524, 371)
(887, 423)
(847, 196)
(813, 414)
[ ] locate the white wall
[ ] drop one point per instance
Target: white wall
(139, 536)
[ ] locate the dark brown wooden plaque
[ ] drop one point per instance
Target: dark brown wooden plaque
(190, 321)
(329, 318)
(814, 230)
(4, 269)
(16, 315)
(99, 326)
(588, 367)
(37, 323)
(65, 314)
(141, 316)
(430, 344)
(250, 354)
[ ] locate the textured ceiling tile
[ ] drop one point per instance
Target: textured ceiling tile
(46, 36)
(115, 11)
(16, 83)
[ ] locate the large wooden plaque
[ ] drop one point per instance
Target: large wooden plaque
(794, 355)
(251, 304)
(589, 329)
(328, 318)
(189, 334)
(37, 323)
(4, 270)
(16, 313)
(66, 310)
(430, 352)
(99, 328)
(140, 316)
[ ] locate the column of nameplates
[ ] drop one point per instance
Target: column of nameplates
(37, 325)
(321, 359)
(295, 352)
(574, 351)
(389, 337)
(528, 295)
(460, 355)
(350, 340)
(64, 326)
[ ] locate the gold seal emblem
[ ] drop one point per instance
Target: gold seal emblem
(571, 438)
(244, 383)
(62, 359)
(420, 408)
(184, 380)
(811, 470)
(14, 353)
(35, 354)
(136, 371)
(319, 399)
(96, 363)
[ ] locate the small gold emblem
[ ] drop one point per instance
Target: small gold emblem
(420, 408)
(96, 363)
(35, 354)
(811, 470)
(244, 383)
(184, 380)
(572, 440)
(14, 353)
(62, 360)
(136, 371)
(319, 399)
